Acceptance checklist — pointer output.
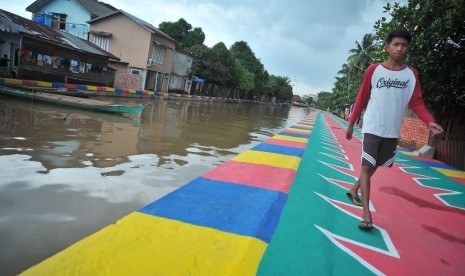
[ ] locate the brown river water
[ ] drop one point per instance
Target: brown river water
(66, 173)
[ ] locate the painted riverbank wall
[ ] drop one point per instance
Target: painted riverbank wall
(117, 92)
(280, 208)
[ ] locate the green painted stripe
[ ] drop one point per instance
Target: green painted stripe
(298, 247)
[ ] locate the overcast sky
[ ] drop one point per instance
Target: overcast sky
(305, 40)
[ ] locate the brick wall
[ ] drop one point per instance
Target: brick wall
(414, 133)
(124, 79)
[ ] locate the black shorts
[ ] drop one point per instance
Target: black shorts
(378, 151)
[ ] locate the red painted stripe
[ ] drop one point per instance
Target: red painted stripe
(459, 180)
(425, 159)
(286, 143)
(71, 86)
(296, 132)
(29, 83)
(261, 176)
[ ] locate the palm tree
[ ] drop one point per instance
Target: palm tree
(361, 56)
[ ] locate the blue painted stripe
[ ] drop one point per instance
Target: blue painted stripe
(80, 86)
(438, 165)
(300, 127)
(279, 149)
(404, 149)
(225, 206)
(58, 85)
(297, 135)
(118, 90)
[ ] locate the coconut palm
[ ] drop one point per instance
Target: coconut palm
(361, 56)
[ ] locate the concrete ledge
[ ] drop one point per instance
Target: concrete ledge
(217, 224)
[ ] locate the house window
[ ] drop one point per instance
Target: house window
(135, 72)
(158, 53)
(59, 21)
(102, 41)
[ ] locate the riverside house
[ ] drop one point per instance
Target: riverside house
(40, 52)
(68, 16)
(144, 51)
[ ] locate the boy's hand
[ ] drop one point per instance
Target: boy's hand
(349, 131)
(435, 128)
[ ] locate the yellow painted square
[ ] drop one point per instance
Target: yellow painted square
(290, 138)
(298, 130)
(14, 81)
(44, 84)
(142, 244)
(269, 159)
(451, 173)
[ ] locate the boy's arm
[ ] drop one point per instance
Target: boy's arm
(361, 101)
(417, 105)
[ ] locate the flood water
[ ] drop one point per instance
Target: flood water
(66, 173)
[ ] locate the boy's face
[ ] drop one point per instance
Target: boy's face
(397, 49)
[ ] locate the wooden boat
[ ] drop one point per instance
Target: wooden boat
(299, 104)
(70, 101)
(59, 91)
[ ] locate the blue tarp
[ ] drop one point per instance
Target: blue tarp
(197, 79)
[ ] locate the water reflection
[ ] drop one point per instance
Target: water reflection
(71, 172)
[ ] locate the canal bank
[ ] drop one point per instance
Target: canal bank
(92, 90)
(280, 209)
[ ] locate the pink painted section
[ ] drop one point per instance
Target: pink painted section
(426, 159)
(261, 176)
(427, 234)
(304, 126)
(305, 132)
(286, 143)
(29, 83)
(459, 180)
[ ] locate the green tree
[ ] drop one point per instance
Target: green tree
(222, 67)
(324, 100)
(362, 55)
(438, 46)
(241, 51)
(182, 32)
(279, 86)
(201, 59)
(309, 100)
(246, 78)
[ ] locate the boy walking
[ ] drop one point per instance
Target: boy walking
(386, 90)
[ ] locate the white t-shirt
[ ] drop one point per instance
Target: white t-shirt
(387, 94)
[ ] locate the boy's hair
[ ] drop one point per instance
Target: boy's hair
(398, 33)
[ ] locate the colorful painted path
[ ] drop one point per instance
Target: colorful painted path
(281, 209)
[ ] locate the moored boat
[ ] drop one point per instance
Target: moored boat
(299, 104)
(70, 101)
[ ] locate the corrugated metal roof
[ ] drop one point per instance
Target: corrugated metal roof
(10, 22)
(94, 7)
(139, 21)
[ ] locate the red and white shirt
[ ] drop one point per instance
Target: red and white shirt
(386, 94)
